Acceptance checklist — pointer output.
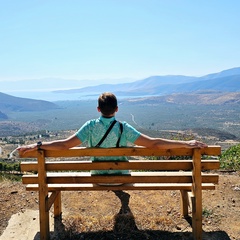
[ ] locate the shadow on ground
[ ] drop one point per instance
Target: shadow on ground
(125, 228)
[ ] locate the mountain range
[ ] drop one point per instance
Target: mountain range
(216, 88)
(225, 81)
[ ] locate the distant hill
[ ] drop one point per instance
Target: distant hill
(223, 84)
(10, 103)
(205, 98)
(13, 128)
(3, 116)
(225, 81)
(225, 73)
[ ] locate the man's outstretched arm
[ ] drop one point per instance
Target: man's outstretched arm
(146, 141)
(63, 144)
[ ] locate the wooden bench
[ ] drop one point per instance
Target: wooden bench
(61, 174)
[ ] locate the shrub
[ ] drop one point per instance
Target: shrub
(230, 159)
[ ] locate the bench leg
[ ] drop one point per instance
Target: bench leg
(58, 205)
(184, 203)
(43, 197)
(196, 218)
(197, 196)
(44, 217)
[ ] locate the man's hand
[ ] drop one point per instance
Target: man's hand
(27, 148)
(196, 144)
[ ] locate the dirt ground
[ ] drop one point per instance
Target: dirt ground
(131, 215)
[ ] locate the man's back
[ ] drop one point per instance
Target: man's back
(93, 131)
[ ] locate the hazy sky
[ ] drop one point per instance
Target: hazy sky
(96, 39)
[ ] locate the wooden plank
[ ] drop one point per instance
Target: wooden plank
(210, 164)
(28, 166)
(51, 199)
(136, 186)
(191, 200)
(131, 151)
(58, 205)
(122, 179)
(214, 150)
(184, 203)
(131, 165)
(136, 151)
(134, 177)
(197, 196)
(43, 197)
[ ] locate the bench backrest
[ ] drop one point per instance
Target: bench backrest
(143, 171)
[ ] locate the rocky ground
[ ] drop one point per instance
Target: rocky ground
(132, 215)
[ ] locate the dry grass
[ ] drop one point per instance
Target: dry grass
(148, 215)
(133, 215)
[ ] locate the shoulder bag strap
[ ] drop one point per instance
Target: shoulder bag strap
(121, 130)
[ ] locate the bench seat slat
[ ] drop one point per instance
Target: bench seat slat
(135, 186)
(137, 177)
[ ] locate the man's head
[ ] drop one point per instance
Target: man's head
(107, 104)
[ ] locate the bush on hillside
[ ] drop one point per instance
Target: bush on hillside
(230, 159)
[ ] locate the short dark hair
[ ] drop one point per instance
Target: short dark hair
(107, 103)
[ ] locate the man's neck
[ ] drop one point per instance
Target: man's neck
(109, 116)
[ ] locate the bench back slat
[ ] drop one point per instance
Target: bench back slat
(129, 151)
(131, 165)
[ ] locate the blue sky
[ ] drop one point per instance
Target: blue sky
(117, 39)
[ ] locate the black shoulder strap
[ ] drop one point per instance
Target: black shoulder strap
(107, 132)
(121, 130)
